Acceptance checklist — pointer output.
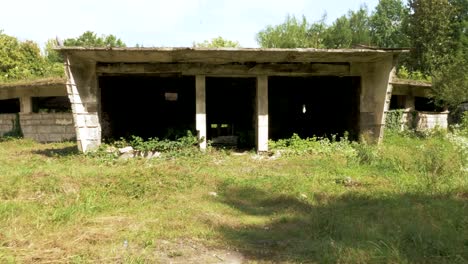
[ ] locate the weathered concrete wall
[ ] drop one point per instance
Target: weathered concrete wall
(376, 69)
(47, 127)
(429, 120)
(7, 122)
(376, 92)
(83, 95)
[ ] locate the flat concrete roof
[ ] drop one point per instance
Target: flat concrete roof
(40, 82)
(227, 55)
(411, 83)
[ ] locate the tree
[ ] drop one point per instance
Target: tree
(339, 35)
(293, 33)
(430, 29)
(20, 60)
(90, 39)
(218, 42)
(451, 82)
(386, 24)
(360, 28)
(437, 31)
(348, 31)
(49, 52)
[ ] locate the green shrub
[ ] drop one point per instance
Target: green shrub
(393, 119)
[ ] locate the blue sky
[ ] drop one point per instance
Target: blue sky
(161, 23)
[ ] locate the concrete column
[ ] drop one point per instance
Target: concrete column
(26, 104)
(262, 113)
(200, 87)
(409, 102)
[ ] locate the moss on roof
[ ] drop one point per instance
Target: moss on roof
(34, 82)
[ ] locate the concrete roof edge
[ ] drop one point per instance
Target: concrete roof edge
(407, 82)
(34, 83)
(169, 49)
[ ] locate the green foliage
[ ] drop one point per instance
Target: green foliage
(386, 24)
(218, 42)
(52, 55)
(339, 35)
(430, 29)
(20, 60)
(403, 201)
(314, 145)
(293, 33)
(90, 39)
(23, 60)
(393, 119)
(450, 86)
(16, 132)
(404, 73)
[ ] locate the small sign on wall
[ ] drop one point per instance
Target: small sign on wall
(171, 96)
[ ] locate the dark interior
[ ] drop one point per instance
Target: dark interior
(426, 104)
(10, 106)
(313, 106)
(147, 106)
(397, 102)
(230, 109)
(51, 104)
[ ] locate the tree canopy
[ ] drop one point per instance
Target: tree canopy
(436, 31)
(218, 42)
(22, 60)
(90, 39)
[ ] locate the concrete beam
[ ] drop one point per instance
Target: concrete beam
(262, 113)
(248, 69)
(200, 87)
(16, 92)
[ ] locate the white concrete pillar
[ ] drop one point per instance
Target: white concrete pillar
(262, 113)
(26, 104)
(200, 87)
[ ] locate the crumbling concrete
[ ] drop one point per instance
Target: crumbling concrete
(84, 66)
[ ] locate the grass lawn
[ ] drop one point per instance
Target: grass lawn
(405, 201)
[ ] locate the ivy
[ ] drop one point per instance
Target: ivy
(393, 119)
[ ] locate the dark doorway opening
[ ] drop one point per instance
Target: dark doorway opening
(10, 106)
(147, 106)
(230, 109)
(313, 106)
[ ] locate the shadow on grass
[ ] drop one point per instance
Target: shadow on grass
(353, 228)
(58, 152)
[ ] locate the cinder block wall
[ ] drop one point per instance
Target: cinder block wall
(421, 121)
(48, 127)
(428, 120)
(7, 123)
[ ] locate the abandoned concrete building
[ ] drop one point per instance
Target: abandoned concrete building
(419, 113)
(37, 109)
(249, 95)
(255, 94)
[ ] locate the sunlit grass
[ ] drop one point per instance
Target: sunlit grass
(401, 202)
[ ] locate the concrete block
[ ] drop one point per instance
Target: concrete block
(63, 121)
(28, 129)
(44, 129)
(78, 108)
(56, 137)
(91, 120)
(70, 130)
(47, 121)
(80, 120)
(26, 116)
